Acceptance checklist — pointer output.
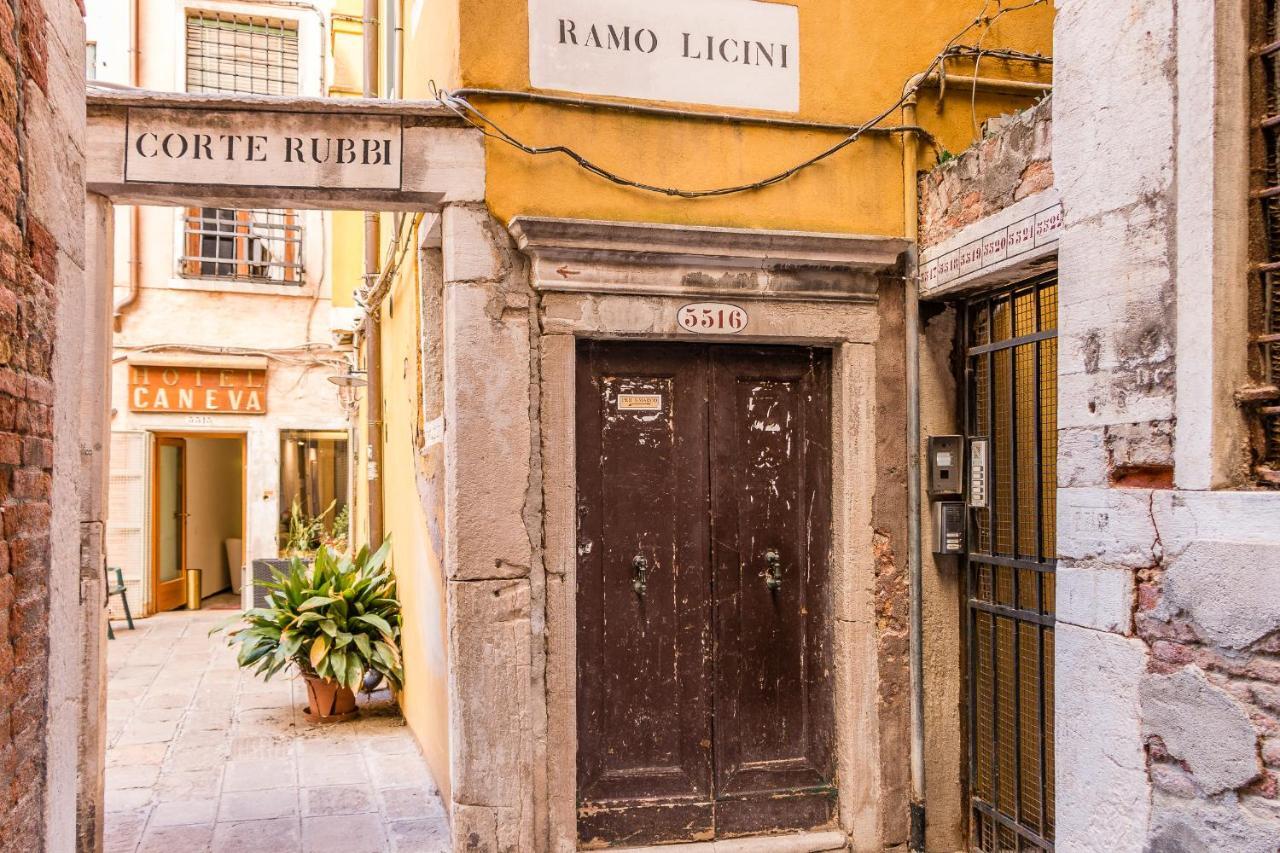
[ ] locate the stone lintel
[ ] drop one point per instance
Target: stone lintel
(687, 260)
(1013, 244)
(256, 151)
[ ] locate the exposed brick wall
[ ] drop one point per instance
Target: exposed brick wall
(1011, 163)
(28, 269)
(1249, 675)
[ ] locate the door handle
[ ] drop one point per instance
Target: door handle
(639, 574)
(773, 574)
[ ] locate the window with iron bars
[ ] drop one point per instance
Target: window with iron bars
(252, 56)
(1263, 395)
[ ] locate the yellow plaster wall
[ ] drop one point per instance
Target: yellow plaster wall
(415, 554)
(431, 53)
(347, 266)
(855, 57)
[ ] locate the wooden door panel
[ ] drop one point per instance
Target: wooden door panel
(770, 428)
(644, 657)
(701, 460)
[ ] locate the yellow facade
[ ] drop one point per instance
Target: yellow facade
(416, 556)
(856, 56)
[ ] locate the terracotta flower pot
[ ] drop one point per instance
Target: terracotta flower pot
(328, 701)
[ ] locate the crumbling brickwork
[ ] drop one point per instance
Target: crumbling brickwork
(1011, 163)
(1211, 696)
(28, 273)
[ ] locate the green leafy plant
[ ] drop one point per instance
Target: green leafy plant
(336, 620)
(306, 533)
(339, 535)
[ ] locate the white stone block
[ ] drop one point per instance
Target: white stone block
(1113, 131)
(1111, 527)
(1082, 457)
(1103, 793)
(488, 439)
(445, 160)
(470, 251)
(1097, 597)
(1115, 351)
(490, 702)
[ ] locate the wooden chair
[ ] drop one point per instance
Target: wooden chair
(121, 590)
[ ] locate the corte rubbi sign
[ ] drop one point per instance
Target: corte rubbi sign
(204, 390)
(733, 53)
(263, 149)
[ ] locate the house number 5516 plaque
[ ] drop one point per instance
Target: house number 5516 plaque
(711, 318)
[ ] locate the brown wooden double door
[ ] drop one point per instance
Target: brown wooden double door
(704, 657)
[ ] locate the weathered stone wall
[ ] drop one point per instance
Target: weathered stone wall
(492, 537)
(1168, 625)
(1168, 629)
(41, 263)
(1010, 164)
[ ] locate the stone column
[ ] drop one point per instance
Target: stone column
(95, 441)
(492, 534)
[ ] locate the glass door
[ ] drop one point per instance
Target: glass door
(169, 524)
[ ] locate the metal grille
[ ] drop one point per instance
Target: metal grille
(260, 245)
(1011, 345)
(1265, 295)
(249, 56)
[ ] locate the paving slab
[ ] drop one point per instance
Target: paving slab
(204, 757)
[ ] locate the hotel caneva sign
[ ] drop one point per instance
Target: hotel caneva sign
(733, 53)
(203, 390)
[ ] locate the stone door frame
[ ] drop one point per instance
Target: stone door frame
(627, 281)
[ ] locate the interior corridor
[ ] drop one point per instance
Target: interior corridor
(202, 756)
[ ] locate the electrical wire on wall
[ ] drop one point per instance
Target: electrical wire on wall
(397, 252)
(983, 22)
(302, 355)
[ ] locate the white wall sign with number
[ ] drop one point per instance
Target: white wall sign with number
(732, 53)
(712, 318)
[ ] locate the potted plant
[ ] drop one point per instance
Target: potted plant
(304, 535)
(334, 621)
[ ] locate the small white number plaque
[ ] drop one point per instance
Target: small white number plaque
(712, 318)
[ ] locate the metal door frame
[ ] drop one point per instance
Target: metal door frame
(992, 826)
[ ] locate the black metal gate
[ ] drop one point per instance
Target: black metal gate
(1011, 354)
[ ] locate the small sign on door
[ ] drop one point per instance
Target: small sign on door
(640, 402)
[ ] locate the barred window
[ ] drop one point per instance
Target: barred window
(250, 56)
(260, 245)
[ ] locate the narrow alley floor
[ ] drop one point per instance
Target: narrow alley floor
(202, 756)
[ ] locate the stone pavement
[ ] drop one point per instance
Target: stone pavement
(202, 756)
